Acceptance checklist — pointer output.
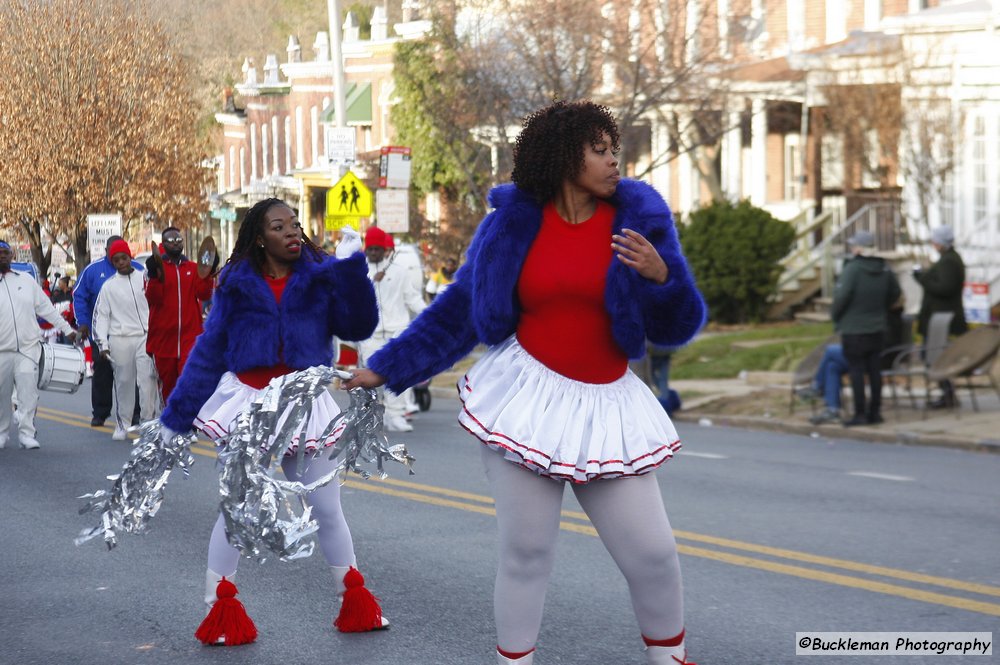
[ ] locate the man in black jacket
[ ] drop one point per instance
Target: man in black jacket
(943, 283)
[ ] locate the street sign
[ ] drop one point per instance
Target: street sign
(341, 145)
(394, 167)
(349, 197)
(227, 214)
(392, 210)
(975, 301)
(334, 222)
(99, 229)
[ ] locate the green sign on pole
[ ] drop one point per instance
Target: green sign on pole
(228, 214)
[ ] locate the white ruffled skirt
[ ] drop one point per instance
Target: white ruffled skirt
(232, 397)
(559, 427)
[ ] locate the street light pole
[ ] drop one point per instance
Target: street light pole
(337, 59)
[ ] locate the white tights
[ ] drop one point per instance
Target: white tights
(334, 535)
(632, 523)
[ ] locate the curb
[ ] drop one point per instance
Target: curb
(840, 432)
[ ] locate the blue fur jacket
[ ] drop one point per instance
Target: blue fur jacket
(247, 328)
(482, 306)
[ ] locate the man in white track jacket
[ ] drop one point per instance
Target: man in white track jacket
(21, 302)
(121, 325)
(398, 297)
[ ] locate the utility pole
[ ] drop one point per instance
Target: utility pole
(337, 59)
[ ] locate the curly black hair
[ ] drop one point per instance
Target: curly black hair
(550, 148)
(246, 248)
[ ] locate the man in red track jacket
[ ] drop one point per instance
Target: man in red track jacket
(175, 294)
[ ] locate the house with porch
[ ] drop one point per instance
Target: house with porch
(275, 141)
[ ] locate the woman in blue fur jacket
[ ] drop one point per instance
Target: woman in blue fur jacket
(565, 281)
(279, 302)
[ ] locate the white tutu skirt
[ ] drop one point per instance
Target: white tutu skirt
(559, 427)
(232, 397)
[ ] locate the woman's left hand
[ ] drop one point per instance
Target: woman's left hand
(636, 252)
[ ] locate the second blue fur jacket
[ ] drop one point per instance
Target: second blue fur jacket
(247, 328)
(482, 306)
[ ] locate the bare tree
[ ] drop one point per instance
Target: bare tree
(653, 62)
(892, 119)
(97, 116)
(488, 64)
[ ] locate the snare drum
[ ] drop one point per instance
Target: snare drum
(61, 368)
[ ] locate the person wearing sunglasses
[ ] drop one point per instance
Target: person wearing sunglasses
(175, 293)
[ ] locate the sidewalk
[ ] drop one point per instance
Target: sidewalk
(760, 400)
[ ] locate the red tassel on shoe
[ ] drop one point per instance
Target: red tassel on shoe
(360, 610)
(227, 618)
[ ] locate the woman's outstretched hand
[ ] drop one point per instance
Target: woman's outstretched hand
(363, 378)
(636, 252)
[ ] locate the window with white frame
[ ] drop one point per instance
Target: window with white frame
(232, 168)
(275, 148)
(243, 168)
(836, 21)
(288, 144)
(980, 180)
(832, 157)
(253, 151)
(793, 167)
(871, 159)
(300, 146)
(873, 14)
(314, 134)
(264, 146)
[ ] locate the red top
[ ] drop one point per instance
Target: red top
(175, 308)
(259, 377)
(564, 323)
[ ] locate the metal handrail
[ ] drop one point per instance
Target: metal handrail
(822, 255)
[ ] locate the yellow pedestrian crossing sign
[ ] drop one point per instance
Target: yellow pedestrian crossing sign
(349, 198)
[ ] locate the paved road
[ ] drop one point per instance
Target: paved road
(779, 534)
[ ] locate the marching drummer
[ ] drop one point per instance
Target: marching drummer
(20, 346)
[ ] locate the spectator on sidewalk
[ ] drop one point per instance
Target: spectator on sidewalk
(88, 285)
(121, 323)
(175, 293)
(442, 279)
(827, 384)
(62, 292)
(659, 374)
(397, 299)
(62, 299)
(21, 302)
(943, 283)
(864, 294)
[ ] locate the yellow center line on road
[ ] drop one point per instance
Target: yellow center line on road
(477, 503)
(804, 557)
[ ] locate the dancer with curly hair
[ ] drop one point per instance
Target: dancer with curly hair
(565, 281)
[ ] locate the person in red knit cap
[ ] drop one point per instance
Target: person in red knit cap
(121, 326)
(397, 299)
(566, 279)
(175, 293)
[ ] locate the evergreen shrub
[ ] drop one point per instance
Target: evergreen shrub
(734, 253)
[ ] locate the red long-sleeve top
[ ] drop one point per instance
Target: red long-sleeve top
(564, 322)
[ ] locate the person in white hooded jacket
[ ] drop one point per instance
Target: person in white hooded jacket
(21, 301)
(121, 325)
(398, 297)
